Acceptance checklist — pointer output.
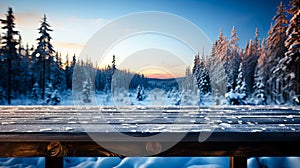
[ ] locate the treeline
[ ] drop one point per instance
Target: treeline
(38, 73)
(266, 71)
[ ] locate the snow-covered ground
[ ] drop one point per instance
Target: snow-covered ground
(122, 97)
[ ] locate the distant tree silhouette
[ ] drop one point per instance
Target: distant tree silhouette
(9, 48)
(44, 55)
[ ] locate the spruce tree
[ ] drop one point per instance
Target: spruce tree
(140, 93)
(9, 47)
(44, 54)
(259, 95)
(204, 82)
(57, 75)
(260, 77)
(216, 69)
(290, 64)
(86, 91)
(35, 94)
(234, 59)
(241, 89)
(2, 96)
(276, 50)
(52, 96)
(250, 57)
(196, 69)
(113, 67)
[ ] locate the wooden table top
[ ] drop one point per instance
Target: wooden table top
(229, 130)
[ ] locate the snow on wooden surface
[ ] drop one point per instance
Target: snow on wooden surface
(73, 119)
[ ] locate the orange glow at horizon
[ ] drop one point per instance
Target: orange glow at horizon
(159, 74)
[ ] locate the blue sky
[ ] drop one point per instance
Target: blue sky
(75, 21)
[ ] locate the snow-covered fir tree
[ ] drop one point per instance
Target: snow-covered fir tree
(57, 75)
(238, 95)
(2, 96)
(233, 59)
(259, 95)
(216, 71)
(290, 63)
(140, 94)
(69, 71)
(11, 57)
(262, 63)
(52, 96)
(201, 75)
(24, 76)
(44, 54)
(196, 69)
(250, 57)
(36, 92)
(189, 89)
(276, 50)
(86, 91)
(174, 94)
(240, 88)
(204, 84)
(113, 65)
(189, 82)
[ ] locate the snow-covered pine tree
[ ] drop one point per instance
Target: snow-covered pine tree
(36, 92)
(250, 57)
(2, 96)
(44, 54)
(204, 83)
(234, 59)
(241, 88)
(86, 91)
(68, 73)
(290, 64)
(189, 81)
(174, 95)
(189, 90)
(57, 75)
(276, 50)
(52, 96)
(239, 94)
(196, 70)
(259, 95)
(262, 64)
(216, 71)
(25, 73)
(140, 93)
(201, 75)
(71, 71)
(113, 65)
(224, 56)
(9, 50)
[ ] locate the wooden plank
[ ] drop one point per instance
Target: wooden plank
(235, 131)
(220, 144)
(85, 149)
(238, 162)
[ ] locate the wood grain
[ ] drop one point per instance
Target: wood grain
(58, 131)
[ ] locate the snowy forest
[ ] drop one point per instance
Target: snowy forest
(265, 72)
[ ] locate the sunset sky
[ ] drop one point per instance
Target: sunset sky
(75, 21)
